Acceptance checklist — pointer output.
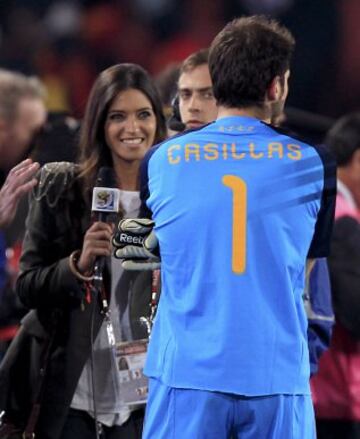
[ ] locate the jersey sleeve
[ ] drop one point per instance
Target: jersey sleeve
(319, 310)
(320, 244)
(145, 212)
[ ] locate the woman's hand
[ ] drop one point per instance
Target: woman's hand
(97, 242)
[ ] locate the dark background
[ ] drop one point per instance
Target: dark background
(67, 42)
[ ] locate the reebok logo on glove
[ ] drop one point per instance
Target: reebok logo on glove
(136, 244)
(126, 238)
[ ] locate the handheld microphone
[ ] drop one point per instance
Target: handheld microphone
(106, 196)
(105, 200)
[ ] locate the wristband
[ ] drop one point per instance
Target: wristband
(73, 259)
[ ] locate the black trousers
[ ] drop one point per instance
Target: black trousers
(80, 425)
(335, 429)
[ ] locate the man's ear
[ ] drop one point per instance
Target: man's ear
(273, 91)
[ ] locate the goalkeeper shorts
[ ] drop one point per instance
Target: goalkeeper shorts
(173, 413)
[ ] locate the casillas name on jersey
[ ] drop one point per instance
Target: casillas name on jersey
(238, 207)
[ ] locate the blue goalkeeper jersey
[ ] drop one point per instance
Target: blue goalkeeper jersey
(238, 207)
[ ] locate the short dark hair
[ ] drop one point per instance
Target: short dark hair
(194, 60)
(166, 83)
(245, 57)
(94, 152)
(343, 139)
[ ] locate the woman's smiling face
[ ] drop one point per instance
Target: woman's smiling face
(130, 126)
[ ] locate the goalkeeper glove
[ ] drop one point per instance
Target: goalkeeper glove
(135, 242)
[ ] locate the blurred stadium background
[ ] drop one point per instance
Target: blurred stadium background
(67, 42)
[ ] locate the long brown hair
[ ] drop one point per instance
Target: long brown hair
(94, 152)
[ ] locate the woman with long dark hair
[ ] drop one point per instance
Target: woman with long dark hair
(123, 119)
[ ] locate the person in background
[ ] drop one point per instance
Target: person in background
(336, 387)
(197, 105)
(123, 119)
(22, 115)
(19, 181)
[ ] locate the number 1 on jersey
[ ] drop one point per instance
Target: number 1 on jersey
(238, 187)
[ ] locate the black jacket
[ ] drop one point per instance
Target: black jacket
(57, 221)
(344, 264)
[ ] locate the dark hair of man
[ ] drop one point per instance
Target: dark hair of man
(245, 57)
(94, 152)
(343, 139)
(166, 83)
(194, 60)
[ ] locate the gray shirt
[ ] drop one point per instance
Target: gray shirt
(110, 407)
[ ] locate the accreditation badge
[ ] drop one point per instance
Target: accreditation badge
(130, 359)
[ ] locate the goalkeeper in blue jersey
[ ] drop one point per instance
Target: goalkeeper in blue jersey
(240, 210)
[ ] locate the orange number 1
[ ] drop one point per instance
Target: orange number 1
(238, 187)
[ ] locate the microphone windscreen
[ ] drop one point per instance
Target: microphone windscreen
(105, 177)
(106, 197)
